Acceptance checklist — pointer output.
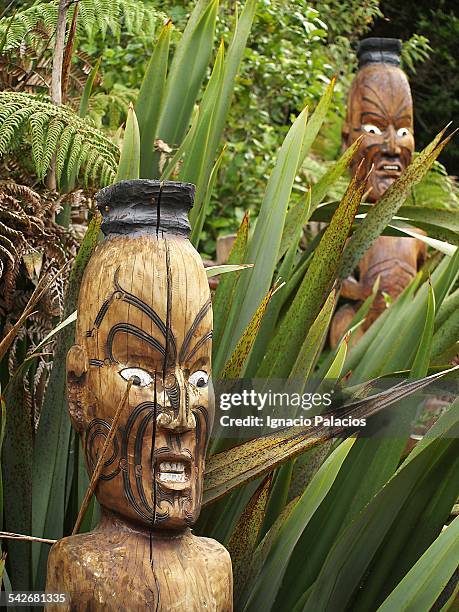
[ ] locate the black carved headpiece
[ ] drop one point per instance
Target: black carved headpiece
(145, 206)
(379, 51)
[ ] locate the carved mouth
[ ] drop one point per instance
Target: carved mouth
(389, 168)
(173, 471)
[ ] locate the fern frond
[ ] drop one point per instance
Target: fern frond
(56, 130)
(103, 17)
(9, 231)
(94, 16)
(14, 217)
(37, 128)
(90, 162)
(95, 169)
(6, 251)
(30, 199)
(11, 126)
(86, 19)
(74, 159)
(65, 149)
(53, 135)
(8, 109)
(436, 190)
(128, 20)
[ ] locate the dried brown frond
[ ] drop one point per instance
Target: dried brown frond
(31, 244)
(33, 248)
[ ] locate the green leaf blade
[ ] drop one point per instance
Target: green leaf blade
(149, 102)
(129, 164)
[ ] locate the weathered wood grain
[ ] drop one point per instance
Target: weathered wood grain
(144, 315)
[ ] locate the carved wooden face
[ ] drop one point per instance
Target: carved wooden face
(145, 314)
(380, 108)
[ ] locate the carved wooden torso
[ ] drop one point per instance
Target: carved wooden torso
(117, 567)
(395, 261)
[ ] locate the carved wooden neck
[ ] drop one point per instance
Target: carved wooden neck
(111, 521)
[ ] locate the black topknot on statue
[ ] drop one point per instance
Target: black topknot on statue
(379, 51)
(146, 206)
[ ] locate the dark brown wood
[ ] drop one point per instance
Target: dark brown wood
(380, 109)
(145, 316)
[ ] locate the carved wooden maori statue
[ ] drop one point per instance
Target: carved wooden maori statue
(381, 109)
(144, 316)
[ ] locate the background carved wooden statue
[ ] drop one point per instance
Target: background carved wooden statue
(381, 109)
(144, 315)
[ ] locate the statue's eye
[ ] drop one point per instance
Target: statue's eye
(403, 132)
(199, 379)
(371, 129)
(140, 378)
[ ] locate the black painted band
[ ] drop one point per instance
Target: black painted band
(379, 51)
(146, 206)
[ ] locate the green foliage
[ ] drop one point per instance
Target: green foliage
(428, 578)
(264, 590)
(56, 130)
(108, 107)
(314, 289)
(366, 541)
(275, 84)
(327, 527)
(33, 25)
(436, 190)
(129, 164)
(415, 50)
(150, 96)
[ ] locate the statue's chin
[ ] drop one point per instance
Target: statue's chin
(379, 186)
(176, 513)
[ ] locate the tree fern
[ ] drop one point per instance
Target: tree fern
(64, 151)
(12, 124)
(56, 130)
(93, 16)
(37, 125)
(75, 157)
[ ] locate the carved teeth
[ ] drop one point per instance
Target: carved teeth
(165, 466)
(172, 471)
(172, 477)
(391, 167)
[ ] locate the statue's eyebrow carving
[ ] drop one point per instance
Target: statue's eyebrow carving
(400, 116)
(372, 114)
(190, 333)
(103, 311)
(198, 345)
(170, 347)
(379, 104)
(133, 300)
(128, 328)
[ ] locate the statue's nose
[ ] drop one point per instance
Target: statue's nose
(391, 145)
(176, 415)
